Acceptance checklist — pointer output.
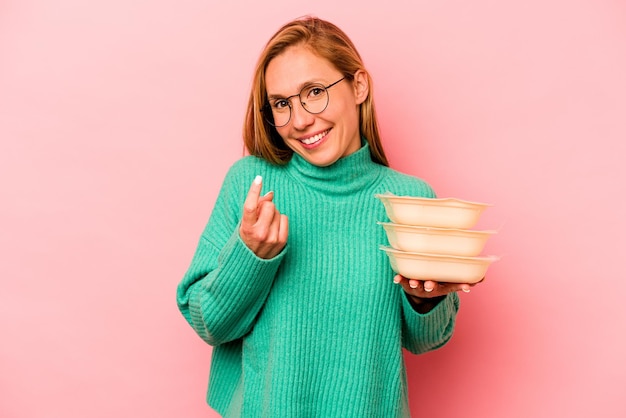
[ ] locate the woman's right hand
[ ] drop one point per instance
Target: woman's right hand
(263, 228)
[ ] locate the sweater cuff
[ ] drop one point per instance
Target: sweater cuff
(432, 320)
(236, 289)
(241, 274)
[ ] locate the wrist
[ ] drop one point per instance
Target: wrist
(419, 300)
(424, 305)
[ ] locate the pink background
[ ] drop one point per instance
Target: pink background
(119, 119)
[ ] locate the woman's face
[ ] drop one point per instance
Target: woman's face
(321, 138)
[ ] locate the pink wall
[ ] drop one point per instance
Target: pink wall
(119, 119)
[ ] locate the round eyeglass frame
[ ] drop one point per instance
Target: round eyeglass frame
(268, 115)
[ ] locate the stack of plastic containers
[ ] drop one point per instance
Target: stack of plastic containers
(432, 239)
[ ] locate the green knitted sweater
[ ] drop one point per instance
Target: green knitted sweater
(318, 330)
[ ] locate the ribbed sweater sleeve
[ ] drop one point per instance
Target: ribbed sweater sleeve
(226, 284)
(429, 331)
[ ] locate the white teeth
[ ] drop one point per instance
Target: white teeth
(314, 139)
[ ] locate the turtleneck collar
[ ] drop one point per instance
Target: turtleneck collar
(347, 175)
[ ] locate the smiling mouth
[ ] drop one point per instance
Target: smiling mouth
(315, 138)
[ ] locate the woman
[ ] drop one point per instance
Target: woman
(289, 286)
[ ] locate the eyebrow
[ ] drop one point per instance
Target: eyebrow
(300, 87)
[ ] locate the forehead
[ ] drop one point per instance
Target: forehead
(296, 66)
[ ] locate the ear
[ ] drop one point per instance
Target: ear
(361, 86)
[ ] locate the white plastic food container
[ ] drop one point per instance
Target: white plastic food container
(423, 239)
(441, 213)
(440, 268)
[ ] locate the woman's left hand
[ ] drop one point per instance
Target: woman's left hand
(428, 288)
(426, 294)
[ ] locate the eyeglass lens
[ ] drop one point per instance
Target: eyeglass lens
(314, 99)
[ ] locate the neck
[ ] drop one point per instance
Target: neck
(347, 175)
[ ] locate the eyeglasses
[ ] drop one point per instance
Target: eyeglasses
(313, 98)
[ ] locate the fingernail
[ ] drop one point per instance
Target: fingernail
(268, 193)
(258, 179)
(396, 279)
(428, 289)
(413, 285)
(466, 290)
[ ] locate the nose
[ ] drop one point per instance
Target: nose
(300, 117)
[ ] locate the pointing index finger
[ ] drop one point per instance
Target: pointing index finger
(251, 202)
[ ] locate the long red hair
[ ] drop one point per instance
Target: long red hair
(328, 41)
